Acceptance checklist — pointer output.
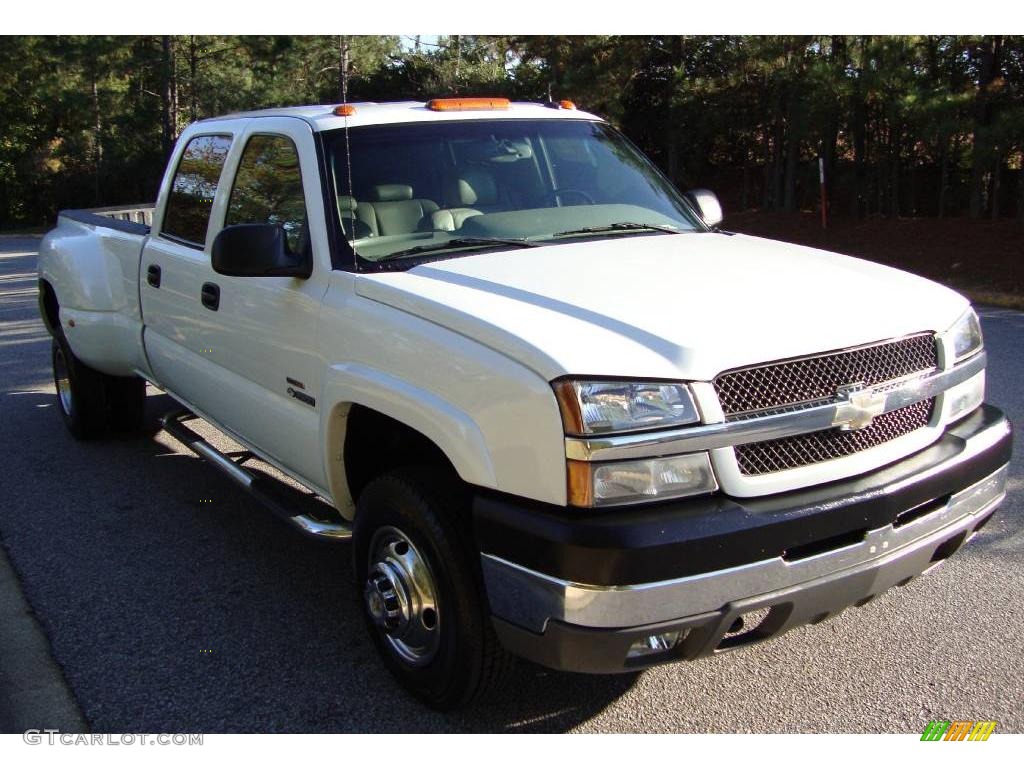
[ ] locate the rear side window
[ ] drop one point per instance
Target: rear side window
(268, 189)
(193, 189)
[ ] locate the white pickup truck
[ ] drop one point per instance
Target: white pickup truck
(560, 414)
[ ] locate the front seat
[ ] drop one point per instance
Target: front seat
(394, 210)
(351, 222)
(475, 192)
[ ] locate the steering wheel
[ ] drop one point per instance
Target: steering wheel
(555, 195)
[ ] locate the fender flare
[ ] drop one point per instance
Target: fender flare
(452, 430)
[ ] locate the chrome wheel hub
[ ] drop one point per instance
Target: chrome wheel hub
(63, 377)
(401, 597)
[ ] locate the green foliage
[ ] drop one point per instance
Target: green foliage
(906, 124)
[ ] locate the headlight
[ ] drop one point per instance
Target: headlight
(630, 482)
(601, 407)
(965, 336)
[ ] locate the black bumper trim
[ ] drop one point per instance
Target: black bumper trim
(668, 541)
(573, 648)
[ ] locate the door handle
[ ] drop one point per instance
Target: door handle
(211, 296)
(153, 275)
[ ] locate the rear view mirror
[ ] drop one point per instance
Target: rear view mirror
(707, 205)
(257, 250)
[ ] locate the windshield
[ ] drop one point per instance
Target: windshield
(445, 189)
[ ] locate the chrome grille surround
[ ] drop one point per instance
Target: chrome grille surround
(814, 447)
(790, 384)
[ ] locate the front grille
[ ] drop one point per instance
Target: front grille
(801, 450)
(806, 380)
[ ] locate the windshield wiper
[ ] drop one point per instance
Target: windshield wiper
(620, 226)
(458, 242)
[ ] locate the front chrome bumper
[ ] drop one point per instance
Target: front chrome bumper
(570, 624)
(530, 599)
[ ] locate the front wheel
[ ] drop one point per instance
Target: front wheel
(421, 591)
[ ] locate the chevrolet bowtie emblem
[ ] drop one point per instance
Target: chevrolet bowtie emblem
(856, 407)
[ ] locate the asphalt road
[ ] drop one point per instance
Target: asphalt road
(172, 614)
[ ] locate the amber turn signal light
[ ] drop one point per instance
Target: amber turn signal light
(467, 104)
(579, 483)
(569, 406)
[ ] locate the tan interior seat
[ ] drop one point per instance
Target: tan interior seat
(394, 211)
(351, 224)
(475, 191)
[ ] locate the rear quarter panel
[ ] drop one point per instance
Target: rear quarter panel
(94, 273)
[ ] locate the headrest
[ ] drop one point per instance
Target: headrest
(387, 193)
(512, 151)
(347, 204)
(475, 186)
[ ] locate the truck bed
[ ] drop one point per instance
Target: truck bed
(133, 219)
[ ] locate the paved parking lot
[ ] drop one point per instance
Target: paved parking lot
(168, 613)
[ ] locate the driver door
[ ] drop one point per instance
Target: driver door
(263, 333)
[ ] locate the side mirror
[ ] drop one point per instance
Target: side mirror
(707, 205)
(257, 250)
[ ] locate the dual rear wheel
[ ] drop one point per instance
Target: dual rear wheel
(91, 402)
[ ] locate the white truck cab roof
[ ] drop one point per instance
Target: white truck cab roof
(323, 117)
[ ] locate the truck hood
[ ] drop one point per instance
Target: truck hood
(682, 306)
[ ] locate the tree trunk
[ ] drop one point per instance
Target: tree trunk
(997, 172)
(98, 141)
(943, 176)
(792, 165)
(895, 139)
(168, 95)
(457, 42)
(1020, 195)
(839, 61)
(193, 66)
(880, 186)
(859, 135)
(954, 179)
(990, 50)
(672, 123)
(745, 195)
(344, 50)
(778, 155)
(766, 187)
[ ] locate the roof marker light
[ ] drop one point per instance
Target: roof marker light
(566, 104)
(345, 110)
(467, 104)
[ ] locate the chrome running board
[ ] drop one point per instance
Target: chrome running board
(284, 501)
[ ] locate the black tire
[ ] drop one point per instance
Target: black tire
(126, 401)
(81, 393)
(429, 510)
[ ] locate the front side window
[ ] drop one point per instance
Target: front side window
(268, 189)
(193, 189)
(439, 189)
